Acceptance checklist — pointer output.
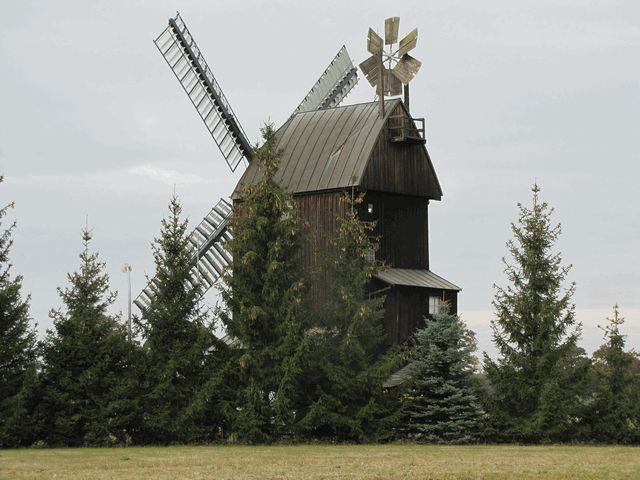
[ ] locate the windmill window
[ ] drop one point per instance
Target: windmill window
(370, 208)
(371, 256)
(434, 305)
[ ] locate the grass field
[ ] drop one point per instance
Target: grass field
(324, 462)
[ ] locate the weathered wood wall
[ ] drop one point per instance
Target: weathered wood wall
(402, 228)
(407, 307)
(319, 213)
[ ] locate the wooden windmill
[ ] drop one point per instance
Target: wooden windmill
(326, 149)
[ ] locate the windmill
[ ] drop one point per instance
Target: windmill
(179, 49)
(390, 67)
(376, 148)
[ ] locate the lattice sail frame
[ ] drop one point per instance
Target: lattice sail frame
(179, 49)
(333, 86)
(208, 239)
(210, 258)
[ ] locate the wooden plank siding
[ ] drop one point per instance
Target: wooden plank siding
(406, 309)
(401, 228)
(319, 214)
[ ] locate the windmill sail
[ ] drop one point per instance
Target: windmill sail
(179, 49)
(210, 258)
(333, 86)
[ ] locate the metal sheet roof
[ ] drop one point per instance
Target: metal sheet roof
(325, 149)
(415, 278)
(398, 378)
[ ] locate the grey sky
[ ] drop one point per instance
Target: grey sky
(93, 122)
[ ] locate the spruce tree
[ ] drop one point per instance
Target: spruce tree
(263, 293)
(441, 403)
(346, 364)
(613, 414)
(17, 349)
(181, 350)
(535, 382)
(88, 393)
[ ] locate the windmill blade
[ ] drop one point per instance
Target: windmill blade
(392, 85)
(210, 257)
(408, 43)
(371, 69)
(374, 43)
(179, 49)
(391, 27)
(406, 68)
(333, 86)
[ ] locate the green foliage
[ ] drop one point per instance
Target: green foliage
(17, 349)
(346, 364)
(184, 395)
(536, 381)
(441, 403)
(614, 414)
(87, 379)
(263, 293)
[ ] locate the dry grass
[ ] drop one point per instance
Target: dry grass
(324, 462)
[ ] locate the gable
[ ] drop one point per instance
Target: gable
(400, 167)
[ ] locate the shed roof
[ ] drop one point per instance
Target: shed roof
(325, 149)
(398, 378)
(415, 278)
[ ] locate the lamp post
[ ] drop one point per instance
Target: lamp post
(126, 268)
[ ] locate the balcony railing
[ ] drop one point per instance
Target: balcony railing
(406, 129)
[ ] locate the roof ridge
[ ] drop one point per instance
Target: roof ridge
(386, 101)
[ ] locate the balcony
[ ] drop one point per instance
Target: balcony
(406, 129)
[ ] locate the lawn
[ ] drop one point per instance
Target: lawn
(324, 462)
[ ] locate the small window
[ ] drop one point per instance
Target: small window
(371, 256)
(434, 305)
(370, 208)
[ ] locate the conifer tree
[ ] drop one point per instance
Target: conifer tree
(346, 365)
(441, 403)
(181, 350)
(613, 416)
(262, 293)
(17, 349)
(536, 380)
(87, 380)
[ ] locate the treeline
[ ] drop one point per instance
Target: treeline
(288, 371)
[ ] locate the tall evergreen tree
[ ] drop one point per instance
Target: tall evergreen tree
(442, 403)
(263, 293)
(346, 365)
(181, 350)
(614, 414)
(87, 383)
(535, 381)
(17, 349)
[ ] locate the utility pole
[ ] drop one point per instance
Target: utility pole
(126, 268)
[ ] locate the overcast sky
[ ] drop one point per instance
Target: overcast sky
(92, 122)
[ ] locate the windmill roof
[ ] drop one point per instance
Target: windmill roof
(325, 149)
